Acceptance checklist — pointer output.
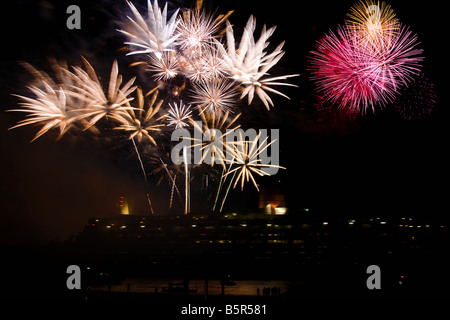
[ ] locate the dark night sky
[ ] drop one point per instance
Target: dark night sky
(377, 164)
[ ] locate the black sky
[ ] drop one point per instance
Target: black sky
(378, 164)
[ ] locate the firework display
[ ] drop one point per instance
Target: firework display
(224, 156)
(190, 47)
(201, 77)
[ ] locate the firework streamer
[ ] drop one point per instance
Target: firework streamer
(147, 186)
(218, 189)
(174, 186)
(223, 178)
(228, 189)
(186, 180)
(189, 191)
(171, 191)
(75, 97)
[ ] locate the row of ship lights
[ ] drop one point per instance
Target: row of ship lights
(325, 223)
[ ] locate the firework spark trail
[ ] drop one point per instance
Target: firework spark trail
(344, 73)
(171, 191)
(174, 186)
(228, 189)
(223, 179)
(147, 186)
(218, 189)
(186, 181)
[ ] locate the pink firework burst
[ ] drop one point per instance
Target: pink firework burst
(360, 76)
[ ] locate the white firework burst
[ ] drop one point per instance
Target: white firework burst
(214, 64)
(194, 69)
(198, 30)
(215, 96)
(153, 33)
(250, 62)
(49, 103)
(48, 107)
(207, 67)
(164, 68)
(178, 115)
(88, 88)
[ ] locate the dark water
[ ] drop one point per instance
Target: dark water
(240, 287)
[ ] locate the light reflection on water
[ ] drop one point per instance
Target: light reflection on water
(241, 287)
